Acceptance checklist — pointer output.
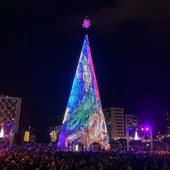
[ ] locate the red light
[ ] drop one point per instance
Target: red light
(142, 129)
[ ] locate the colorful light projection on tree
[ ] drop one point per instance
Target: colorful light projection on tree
(84, 121)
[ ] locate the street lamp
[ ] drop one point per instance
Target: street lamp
(127, 138)
(149, 129)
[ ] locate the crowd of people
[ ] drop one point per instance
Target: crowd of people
(42, 157)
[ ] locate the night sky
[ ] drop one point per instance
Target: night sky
(40, 44)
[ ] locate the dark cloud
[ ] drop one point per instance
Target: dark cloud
(134, 9)
(155, 14)
(152, 9)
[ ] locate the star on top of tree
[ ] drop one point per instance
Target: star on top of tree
(86, 23)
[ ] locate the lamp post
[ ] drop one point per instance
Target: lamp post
(146, 129)
(151, 139)
(127, 138)
(11, 135)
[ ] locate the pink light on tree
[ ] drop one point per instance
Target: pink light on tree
(86, 23)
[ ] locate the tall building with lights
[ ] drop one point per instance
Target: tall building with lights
(9, 117)
(10, 113)
(84, 120)
(115, 122)
(131, 120)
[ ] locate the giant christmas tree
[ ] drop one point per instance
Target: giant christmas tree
(84, 121)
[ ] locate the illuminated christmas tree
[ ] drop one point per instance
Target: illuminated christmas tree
(84, 121)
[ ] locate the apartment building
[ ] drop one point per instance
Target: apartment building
(115, 123)
(131, 120)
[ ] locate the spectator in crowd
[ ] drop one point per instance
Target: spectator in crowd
(42, 157)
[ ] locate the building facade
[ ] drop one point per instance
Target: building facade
(54, 133)
(131, 120)
(115, 123)
(10, 113)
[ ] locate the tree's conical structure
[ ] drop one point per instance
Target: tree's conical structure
(84, 121)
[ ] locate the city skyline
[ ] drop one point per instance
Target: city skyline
(131, 55)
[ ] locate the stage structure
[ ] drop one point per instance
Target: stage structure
(84, 121)
(9, 116)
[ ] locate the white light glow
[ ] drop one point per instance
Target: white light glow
(2, 133)
(77, 147)
(136, 135)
